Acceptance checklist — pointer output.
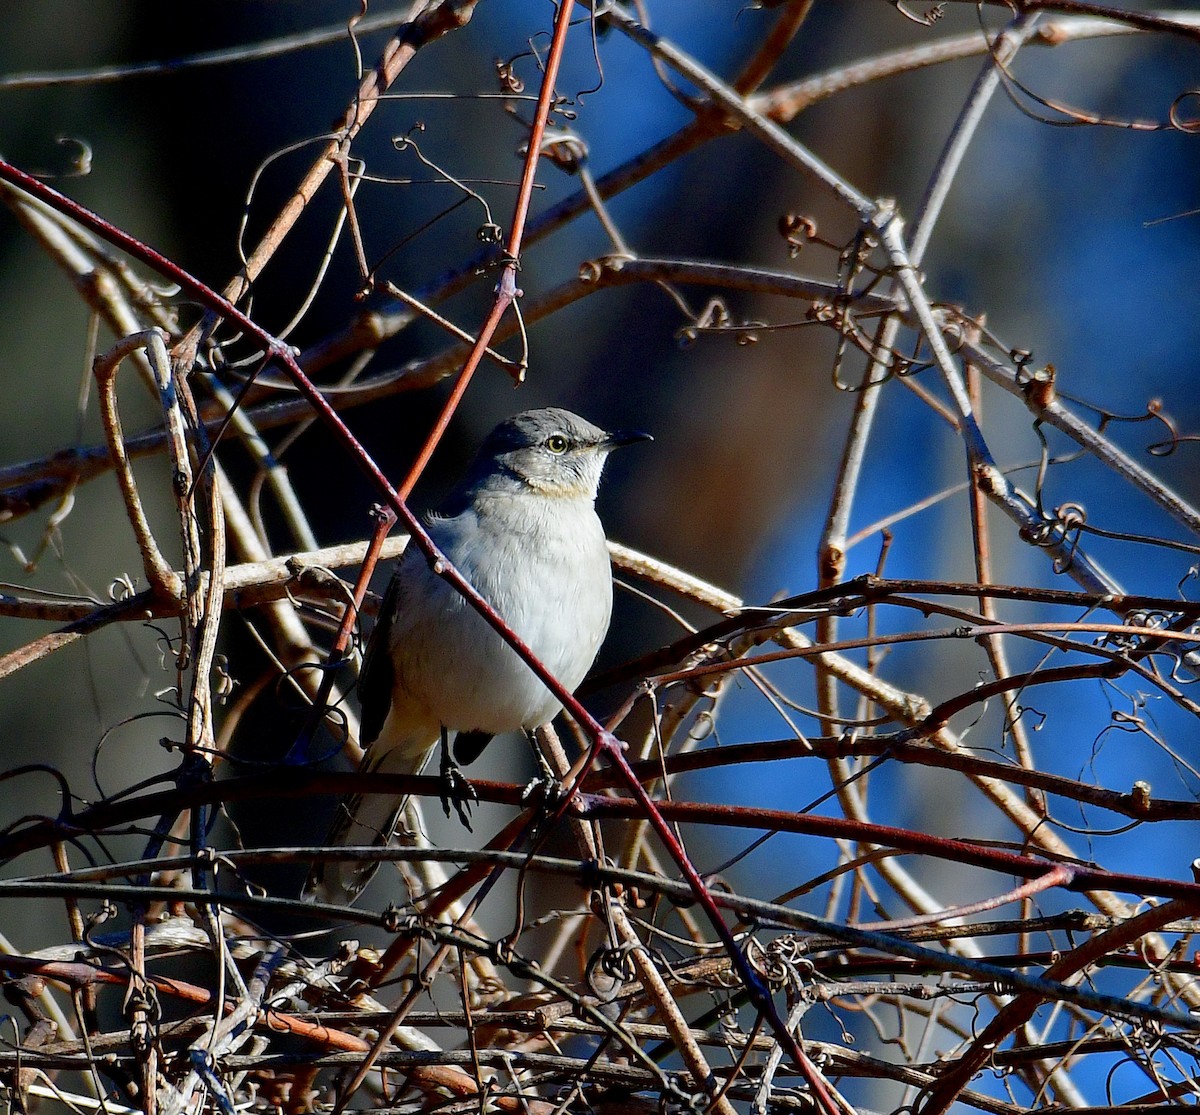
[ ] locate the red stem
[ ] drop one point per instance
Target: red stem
(31, 834)
(506, 294)
(507, 291)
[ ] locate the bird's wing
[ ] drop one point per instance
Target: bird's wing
(378, 674)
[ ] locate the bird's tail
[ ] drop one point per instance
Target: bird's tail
(361, 819)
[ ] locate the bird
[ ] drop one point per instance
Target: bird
(521, 527)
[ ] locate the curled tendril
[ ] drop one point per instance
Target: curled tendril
(506, 72)
(767, 962)
(798, 231)
(1181, 122)
(930, 16)
(853, 258)
(608, 965)
(1184, 669)
(954, 332)
(81, 157)
(716, 318)
(1174, 438)
(121, 589)
(1025, 712)
(714, 314)
(1155, 619)
(1153, 413)
(1044, 379)
(1051, 533)
(1063, 562)
(226, 682)
(93, 922)
(782, 963)
(565, 148)
(560, 108)
(407, 143)
(838, 316)
(1127, 721)
(1072, 516)
(591, 270)
(144, 1012)
(168, 655)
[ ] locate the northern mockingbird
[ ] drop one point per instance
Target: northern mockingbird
(522, 527)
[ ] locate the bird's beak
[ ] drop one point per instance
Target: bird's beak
(625, 437)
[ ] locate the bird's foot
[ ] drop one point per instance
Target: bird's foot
(456, 790)
(545, 790)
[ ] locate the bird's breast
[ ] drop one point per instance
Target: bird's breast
(543, 565)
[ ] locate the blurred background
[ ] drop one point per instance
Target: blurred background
(1078, 243)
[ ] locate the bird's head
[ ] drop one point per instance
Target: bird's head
(551, 451)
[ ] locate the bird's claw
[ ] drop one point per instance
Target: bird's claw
(456, 790)
(545, 789)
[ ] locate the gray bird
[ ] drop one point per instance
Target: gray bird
(522, 527)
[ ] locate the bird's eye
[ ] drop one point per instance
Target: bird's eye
(556, 443)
